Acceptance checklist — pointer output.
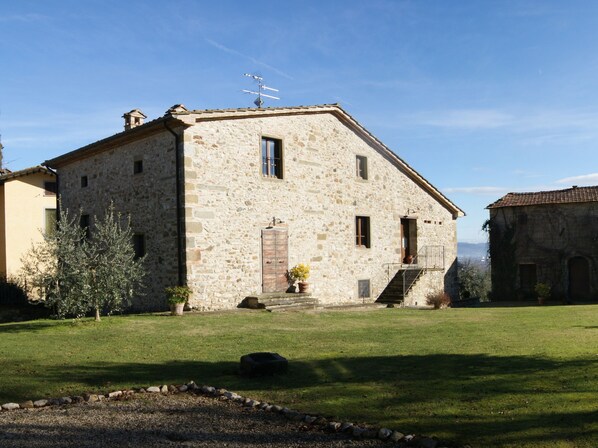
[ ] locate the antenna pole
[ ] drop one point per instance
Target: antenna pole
(259, 102)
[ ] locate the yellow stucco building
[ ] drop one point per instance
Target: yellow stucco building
(27, 208)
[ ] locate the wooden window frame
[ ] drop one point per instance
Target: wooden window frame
(363, 232)
(272, 158)
(361, 167)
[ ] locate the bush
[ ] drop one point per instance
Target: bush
(11, 293)
(438, 300)
(299, 272)
(178, 294)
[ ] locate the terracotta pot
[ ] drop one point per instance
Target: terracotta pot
(408, 259)
(541, 300)
(303, 286)
(176, 309)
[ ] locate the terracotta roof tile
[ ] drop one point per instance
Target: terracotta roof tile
(568, 196)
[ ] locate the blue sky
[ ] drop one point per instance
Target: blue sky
(481, 97)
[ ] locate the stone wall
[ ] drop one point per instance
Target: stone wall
(228, 203)
(149, 198)
(547, 236)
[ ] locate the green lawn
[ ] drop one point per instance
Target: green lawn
(492, 377)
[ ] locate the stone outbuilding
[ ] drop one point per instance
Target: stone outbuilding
(226, 201)
(546, 237)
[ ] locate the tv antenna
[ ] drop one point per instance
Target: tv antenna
(260, 90)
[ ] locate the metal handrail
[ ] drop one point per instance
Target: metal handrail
(427, 257)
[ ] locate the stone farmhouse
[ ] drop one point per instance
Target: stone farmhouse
(545, 237)
(27, 208)
(226, 201)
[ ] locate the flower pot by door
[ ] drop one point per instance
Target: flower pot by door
(177, 309)
(303, 286)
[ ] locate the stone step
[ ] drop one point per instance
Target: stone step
(293, 307)
(280, 301)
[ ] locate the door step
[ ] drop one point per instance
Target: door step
(281, 301)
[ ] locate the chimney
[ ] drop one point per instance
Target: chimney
(133, 119)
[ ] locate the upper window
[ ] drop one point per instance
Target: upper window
(271, 157)
(362, 231)
(84, 181)
(138, 166)
(361, 167)
(49, 188)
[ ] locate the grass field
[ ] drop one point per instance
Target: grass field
(491, 377)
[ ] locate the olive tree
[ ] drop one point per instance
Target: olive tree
(77, 274)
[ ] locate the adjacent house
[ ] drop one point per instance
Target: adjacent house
(27, 208)
(545, 237)
(226, 201)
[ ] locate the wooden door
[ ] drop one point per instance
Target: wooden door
(579, 278)
(275, 260)
(404, 239)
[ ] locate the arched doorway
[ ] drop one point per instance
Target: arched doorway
(579, 278)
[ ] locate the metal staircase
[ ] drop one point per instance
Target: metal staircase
(402, 277)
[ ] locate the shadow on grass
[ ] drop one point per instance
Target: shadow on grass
(464, 397)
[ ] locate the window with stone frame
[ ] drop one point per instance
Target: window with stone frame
(361, 167)
(362, 231)
(271, 157)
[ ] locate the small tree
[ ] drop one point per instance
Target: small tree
(77, 275)
(474, 280)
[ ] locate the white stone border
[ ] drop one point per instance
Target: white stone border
(320, 422)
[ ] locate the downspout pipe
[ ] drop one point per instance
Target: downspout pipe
(180, 227)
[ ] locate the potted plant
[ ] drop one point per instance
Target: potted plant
(177, 297)
(300, 273)
(543, 291)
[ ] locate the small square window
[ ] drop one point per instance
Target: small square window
(139, 245)
(362, 231)
(361, 167)
(271, 158)
(84, 181)
(363, 289)
(49, 188)
(138, 166)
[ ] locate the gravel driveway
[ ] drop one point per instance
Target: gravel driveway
(153, 420)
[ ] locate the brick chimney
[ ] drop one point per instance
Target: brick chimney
(133, 119)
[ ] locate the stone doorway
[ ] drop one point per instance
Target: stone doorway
(579, 278)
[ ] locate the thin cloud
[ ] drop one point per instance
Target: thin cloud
(249, 58)
(466, 119)
(25, 18)
(584, 179)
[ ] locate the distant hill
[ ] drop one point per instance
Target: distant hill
(474, 251)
